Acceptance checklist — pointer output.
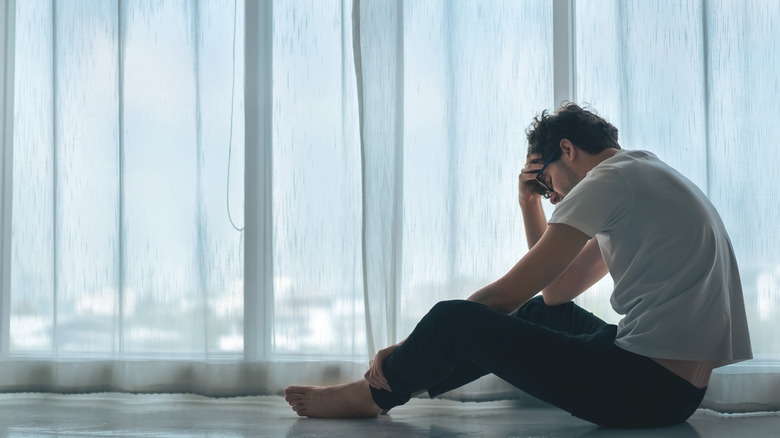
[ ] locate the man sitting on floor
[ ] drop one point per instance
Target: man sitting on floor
(617, 211)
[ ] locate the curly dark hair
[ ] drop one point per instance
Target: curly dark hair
(583, 128)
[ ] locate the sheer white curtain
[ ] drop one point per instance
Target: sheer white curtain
(697, 83)
(7, 43)
(396, 130)
(446, 91)
(119, 245)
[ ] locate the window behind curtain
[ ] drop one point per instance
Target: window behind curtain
(318, 287)
(121, 239)
(475, 75)
(465, 104)
(696, 83)
(121, 242)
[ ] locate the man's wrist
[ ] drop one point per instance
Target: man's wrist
(533, 203)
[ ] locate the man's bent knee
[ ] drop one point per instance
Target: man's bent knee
(453, 308)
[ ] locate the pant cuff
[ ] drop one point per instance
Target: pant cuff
(388, 400)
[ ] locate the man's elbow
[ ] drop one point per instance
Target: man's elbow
(551, 299)
(495, 298)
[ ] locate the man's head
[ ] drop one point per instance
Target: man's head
(571, 142)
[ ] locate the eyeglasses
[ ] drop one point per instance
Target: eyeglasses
(547, 190)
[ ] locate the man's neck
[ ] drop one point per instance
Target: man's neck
(603, 155)
(591, 161)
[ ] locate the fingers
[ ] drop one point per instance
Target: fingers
(528, 184)
(531, 169)
(533, 164)
(376, 379)
(379, 382)
(375, 375)
(533, 159)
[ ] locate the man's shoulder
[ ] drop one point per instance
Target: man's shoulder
(627, 166)
(631, 156)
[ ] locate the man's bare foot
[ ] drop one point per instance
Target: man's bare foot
(351, 400)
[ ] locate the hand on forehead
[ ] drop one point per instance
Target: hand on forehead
(534, 159)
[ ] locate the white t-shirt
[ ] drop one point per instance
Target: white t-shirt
(676, 277)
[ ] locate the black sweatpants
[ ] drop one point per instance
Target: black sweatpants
(562, 355)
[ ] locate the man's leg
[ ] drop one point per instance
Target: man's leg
(355, 400)
(568, 318)
(585, 374)
(548, 364)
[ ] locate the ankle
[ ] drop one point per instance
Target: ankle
(363, 390)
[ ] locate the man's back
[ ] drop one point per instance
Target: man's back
(676, 278)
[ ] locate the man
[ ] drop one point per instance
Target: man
(622, 212)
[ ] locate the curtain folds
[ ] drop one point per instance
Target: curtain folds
(396, 132)
(379, 71)
(214, 379)
(7, 52)
(684, 81)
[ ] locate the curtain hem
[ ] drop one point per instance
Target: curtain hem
(734, 389)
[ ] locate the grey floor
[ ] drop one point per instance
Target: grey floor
(124, 415)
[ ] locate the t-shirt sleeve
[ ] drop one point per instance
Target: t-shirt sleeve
(597, 204)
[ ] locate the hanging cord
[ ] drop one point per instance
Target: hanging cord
(232, 96)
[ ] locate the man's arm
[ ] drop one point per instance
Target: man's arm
(546, 261)
(534, 221)
(586, 269)
(530, 202)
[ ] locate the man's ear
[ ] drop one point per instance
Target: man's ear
(567, 149)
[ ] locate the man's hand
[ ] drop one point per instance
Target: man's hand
(375, 375)
(528, 194)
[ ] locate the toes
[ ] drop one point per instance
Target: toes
(296, 390)
(301, 411)
(294, 399)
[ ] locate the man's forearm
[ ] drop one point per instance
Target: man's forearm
(534, 220)
(492, 298)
